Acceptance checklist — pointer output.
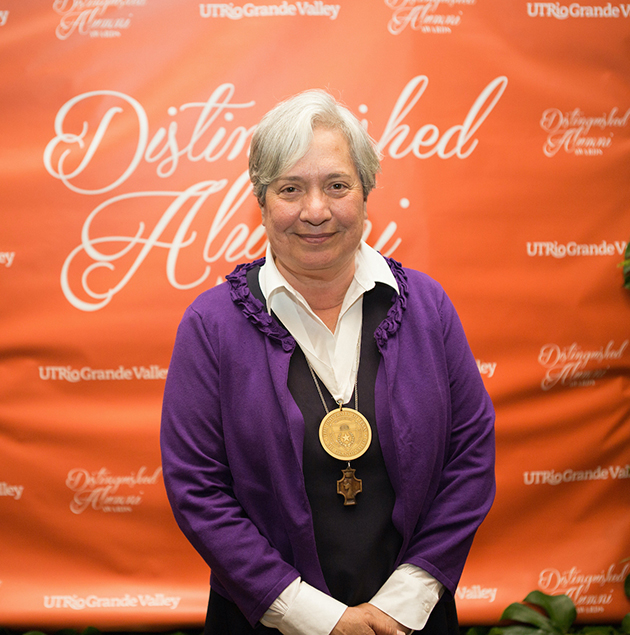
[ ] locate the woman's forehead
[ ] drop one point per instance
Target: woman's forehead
(328, 156)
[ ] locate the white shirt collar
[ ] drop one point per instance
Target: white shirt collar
(370, 268)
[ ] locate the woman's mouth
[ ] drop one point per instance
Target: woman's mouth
(315, 239)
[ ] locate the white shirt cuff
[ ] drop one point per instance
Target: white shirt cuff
(409, 596)
(301, 608)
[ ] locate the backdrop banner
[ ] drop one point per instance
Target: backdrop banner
(505, 133)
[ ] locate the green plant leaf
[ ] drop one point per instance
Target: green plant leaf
(626, 585)
(625, 623)
(518, 612)
(626, 279)
(559, 608)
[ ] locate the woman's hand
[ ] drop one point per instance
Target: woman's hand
(366, 619)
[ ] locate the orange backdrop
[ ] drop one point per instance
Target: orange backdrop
(505, 130)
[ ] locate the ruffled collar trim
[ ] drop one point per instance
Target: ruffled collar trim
(254, 310)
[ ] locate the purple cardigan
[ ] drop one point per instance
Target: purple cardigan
(232, 440)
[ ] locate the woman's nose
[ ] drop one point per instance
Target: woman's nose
(315, 208)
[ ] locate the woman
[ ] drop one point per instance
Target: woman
(327, 441)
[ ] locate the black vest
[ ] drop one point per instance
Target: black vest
(357, 545)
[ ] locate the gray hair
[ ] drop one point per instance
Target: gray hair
(285, 133)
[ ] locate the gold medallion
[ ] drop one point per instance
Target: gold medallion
(345, 434)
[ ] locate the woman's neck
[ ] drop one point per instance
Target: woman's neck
(324, 293)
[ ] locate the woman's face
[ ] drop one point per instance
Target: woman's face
(314, 213)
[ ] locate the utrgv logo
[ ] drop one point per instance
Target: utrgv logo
(575, 10)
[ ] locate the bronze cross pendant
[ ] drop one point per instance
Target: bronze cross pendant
(349, 486)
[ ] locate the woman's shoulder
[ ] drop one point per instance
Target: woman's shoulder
(425, 297)
(231, 306)
(414, 281)
(232, 294)
(212, 302)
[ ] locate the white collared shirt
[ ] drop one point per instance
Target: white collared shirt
(410, 593)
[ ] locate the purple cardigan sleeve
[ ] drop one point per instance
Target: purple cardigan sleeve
(465, 484)
(198, 477)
